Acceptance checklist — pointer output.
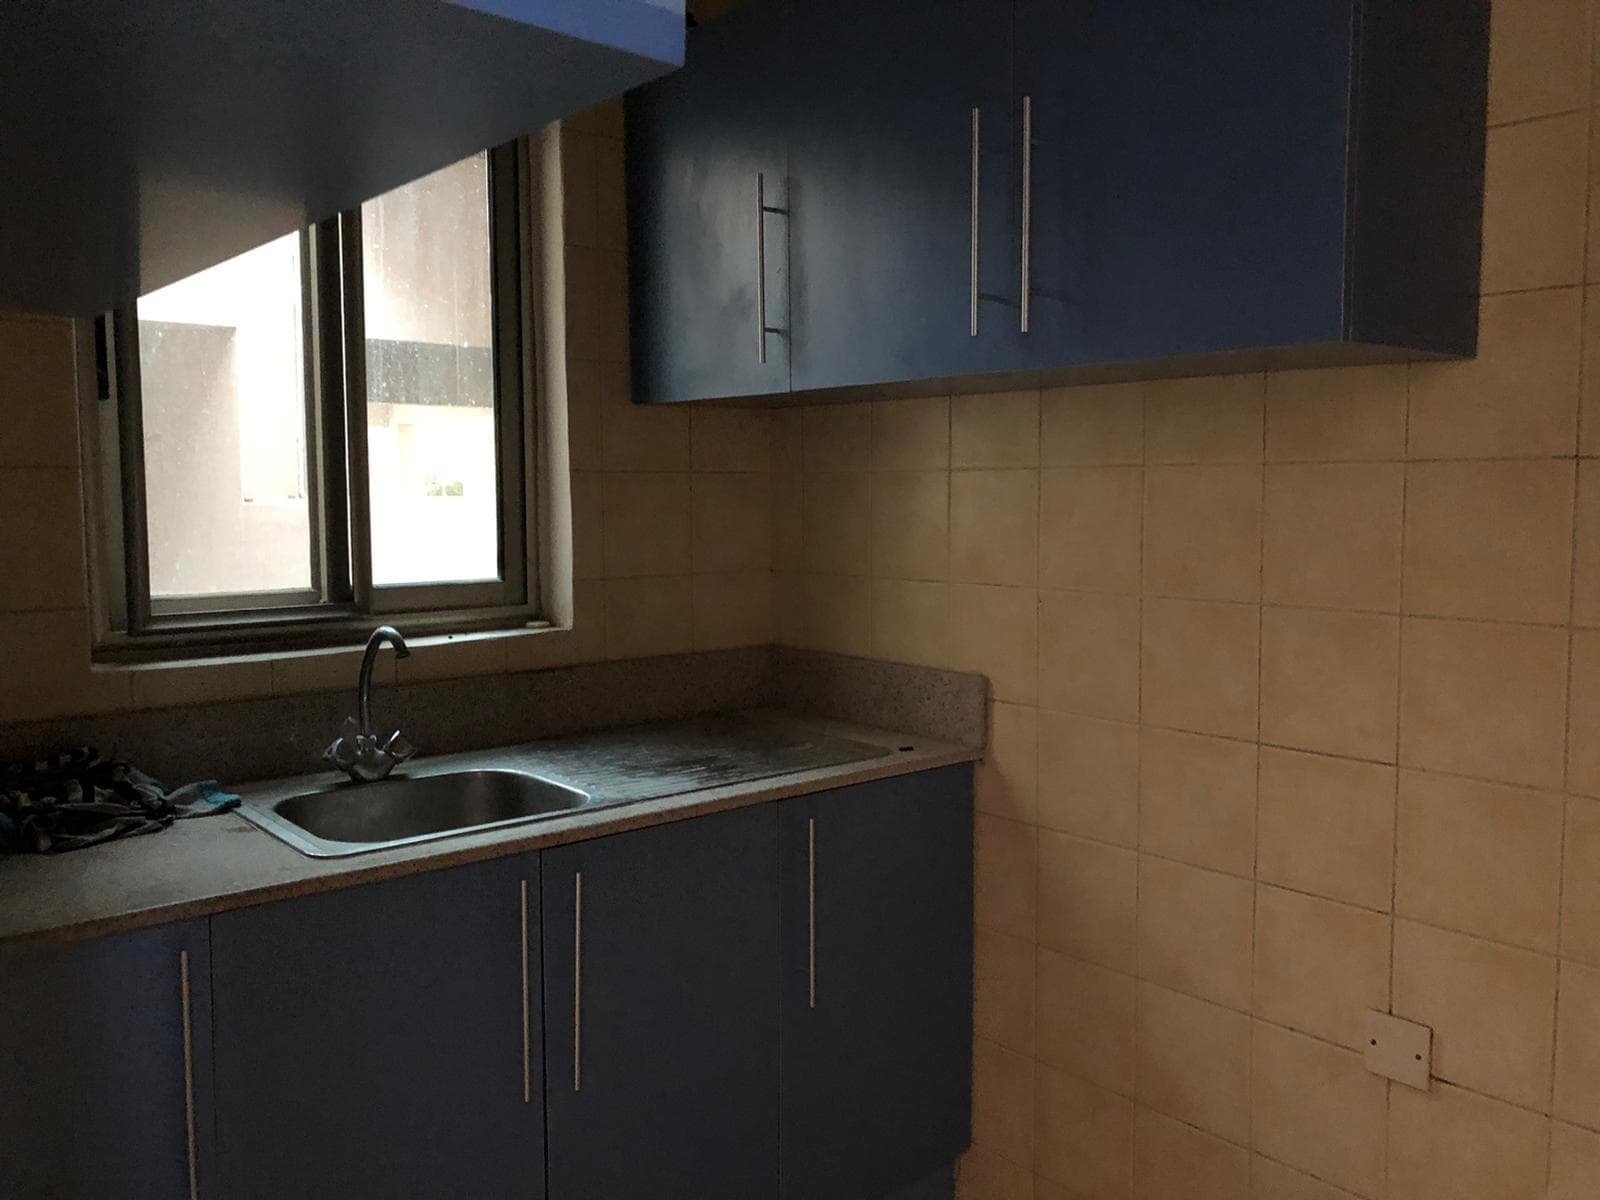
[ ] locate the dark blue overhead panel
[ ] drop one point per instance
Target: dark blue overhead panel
(141, 142)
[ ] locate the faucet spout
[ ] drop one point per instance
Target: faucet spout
(380, 635)
(358, 751)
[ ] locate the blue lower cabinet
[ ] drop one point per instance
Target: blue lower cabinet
(383, 1041)
(876, 1024)
(661, 1011)
(105, 1068)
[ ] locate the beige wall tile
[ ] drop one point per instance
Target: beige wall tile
(788, 519)
(1589, 408)
(1002, 1001)
(732, 521)
(1274, 1181)
(326, 671)
(1089, 777)
(1577, 1091)
(647, 524)
(41, 539)
(584, 279)
(38, 392)
(580, 208)
(1199, 666)
(1317, 1107)
(1448, 1142)
(1089, 654)
(981, 1175)
(1538, 58)
(1491, 1007)
(588, 525)
(1535, 194)
(584, 409)
(1484, 700)
(640, 437)
(1337, 414)
(1195, 931)
(1329, 681)
(730, 439)
(1319, 966)
(649, 616)
(1326, 825)
(837, 522)
(1519, 396)
(1000, 429)
(995, 631)
(994, 527)
(911, 435)
(1479, 857)
(1003, 1102)
(910, 621)
(1085, 1135)
(1213, 419)
(1193, 1061)
(1586, 546)
(1583, 761)
(1005, 870)
(1088, 900)
(1006, 778)
(233, 679)
(1580, 883)
(1202, 532)
(837, 437)
(1332, 535)
(838, 614)
(1086, 1016)
(911, 525)
(1197, 799)
(1098, 425)
(1089, 527)
(732, 608)
(1489, 540)
(1574, 1163)
(611, 230)
(1172, 1161)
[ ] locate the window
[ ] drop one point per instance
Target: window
(330, 428)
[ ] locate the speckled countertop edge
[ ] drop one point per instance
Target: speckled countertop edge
(214, 864)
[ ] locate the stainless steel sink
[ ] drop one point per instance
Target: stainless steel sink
(356, 818)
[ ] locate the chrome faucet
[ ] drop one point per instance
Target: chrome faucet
(356, 751)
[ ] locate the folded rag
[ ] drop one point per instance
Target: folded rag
(81, 798)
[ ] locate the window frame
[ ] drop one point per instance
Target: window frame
(343, 600)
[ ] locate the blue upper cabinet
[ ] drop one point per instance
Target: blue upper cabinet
(105, 1068)
(988, 194)
(382, 1040)
(899, 149)
(708, 217)
(142, 142)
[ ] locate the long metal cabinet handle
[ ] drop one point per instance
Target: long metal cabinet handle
(811, 911)
(527, 1059)
(1027, 208)
(972, 252)
(188, 1075)
(761, 268)
(577, 982)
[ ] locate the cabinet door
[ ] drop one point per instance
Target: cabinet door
(1213, 203)
(877, 985)
(661, 1012)
(882, 192)
(383, 1040)
(705, 155)
(105, 1082)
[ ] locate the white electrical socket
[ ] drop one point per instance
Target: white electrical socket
(1400, 1050)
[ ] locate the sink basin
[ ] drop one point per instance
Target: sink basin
(352, 818)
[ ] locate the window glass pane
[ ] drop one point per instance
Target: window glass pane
(222, 383)
(430, 379)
